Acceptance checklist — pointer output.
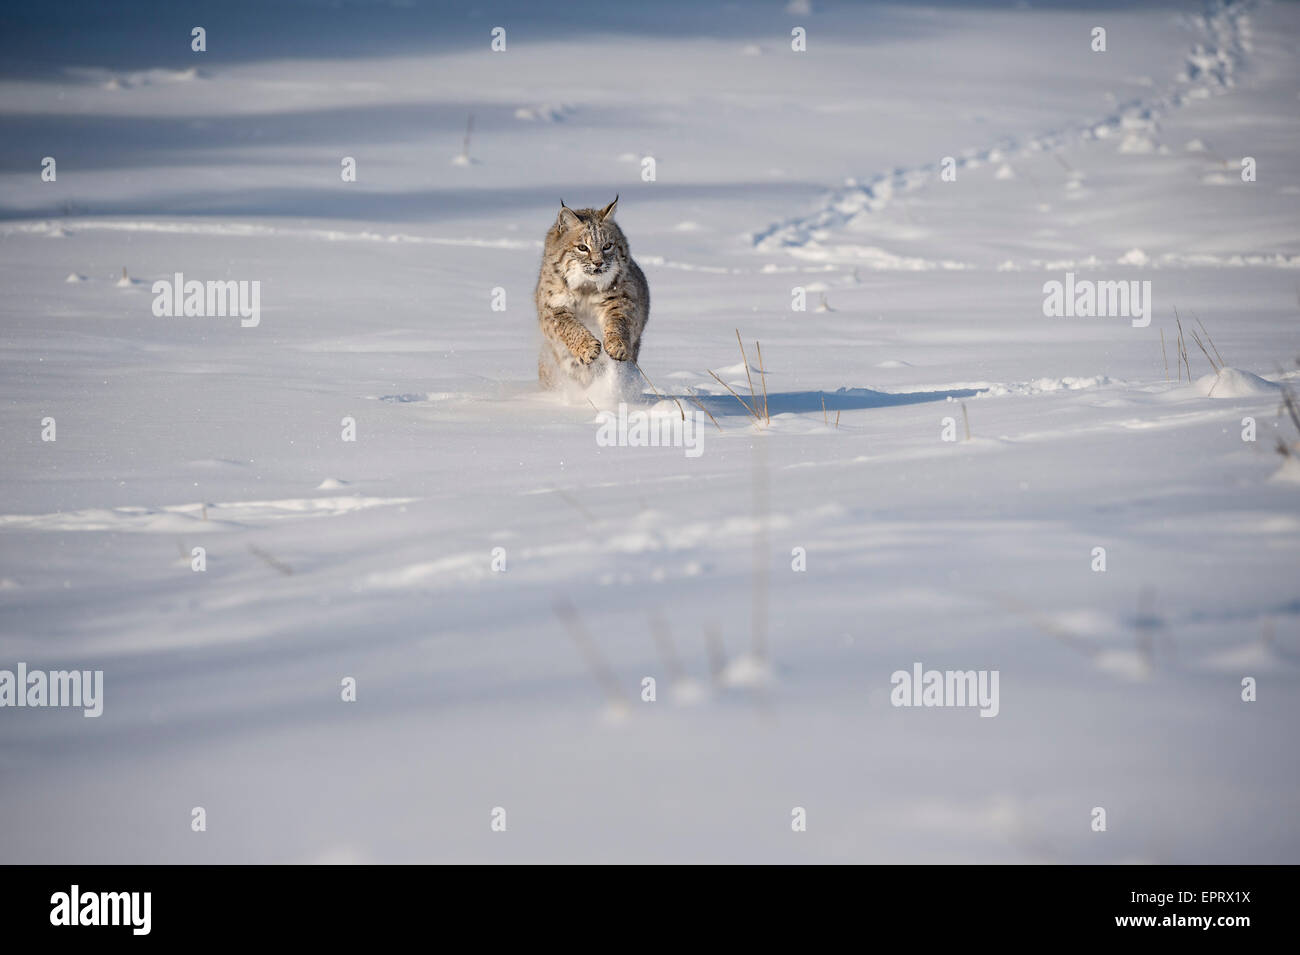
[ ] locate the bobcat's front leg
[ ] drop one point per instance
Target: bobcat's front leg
(559, 325)
(616, 329)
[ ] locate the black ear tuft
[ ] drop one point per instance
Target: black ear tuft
(608, 211)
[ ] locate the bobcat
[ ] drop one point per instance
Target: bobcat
(589, 290)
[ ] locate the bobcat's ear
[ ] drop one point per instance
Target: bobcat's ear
(608, 211)
(567, 219)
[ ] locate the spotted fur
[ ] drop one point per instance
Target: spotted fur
(591, 296)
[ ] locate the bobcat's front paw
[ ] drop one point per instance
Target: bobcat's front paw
(587, 350)
(616, 348)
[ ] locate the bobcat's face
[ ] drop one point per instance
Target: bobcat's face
(595, 251)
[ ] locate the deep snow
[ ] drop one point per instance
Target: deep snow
(374, 559)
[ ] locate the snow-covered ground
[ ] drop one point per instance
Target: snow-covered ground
(498, 583)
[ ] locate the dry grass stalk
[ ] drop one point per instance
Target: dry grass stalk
(1197, 338)
(1182, 346)
(1164, 354)
(680, 409)
(738, 398)
(965, 420)
(752, 397)
(271, 561)
(762, 372)
(699, 404)
(1222, 363)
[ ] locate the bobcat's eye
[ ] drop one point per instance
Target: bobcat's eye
(583, 248)
(608, 246)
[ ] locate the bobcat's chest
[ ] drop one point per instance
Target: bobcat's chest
(586, 312)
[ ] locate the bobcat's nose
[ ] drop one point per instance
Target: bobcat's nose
(598, 262)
